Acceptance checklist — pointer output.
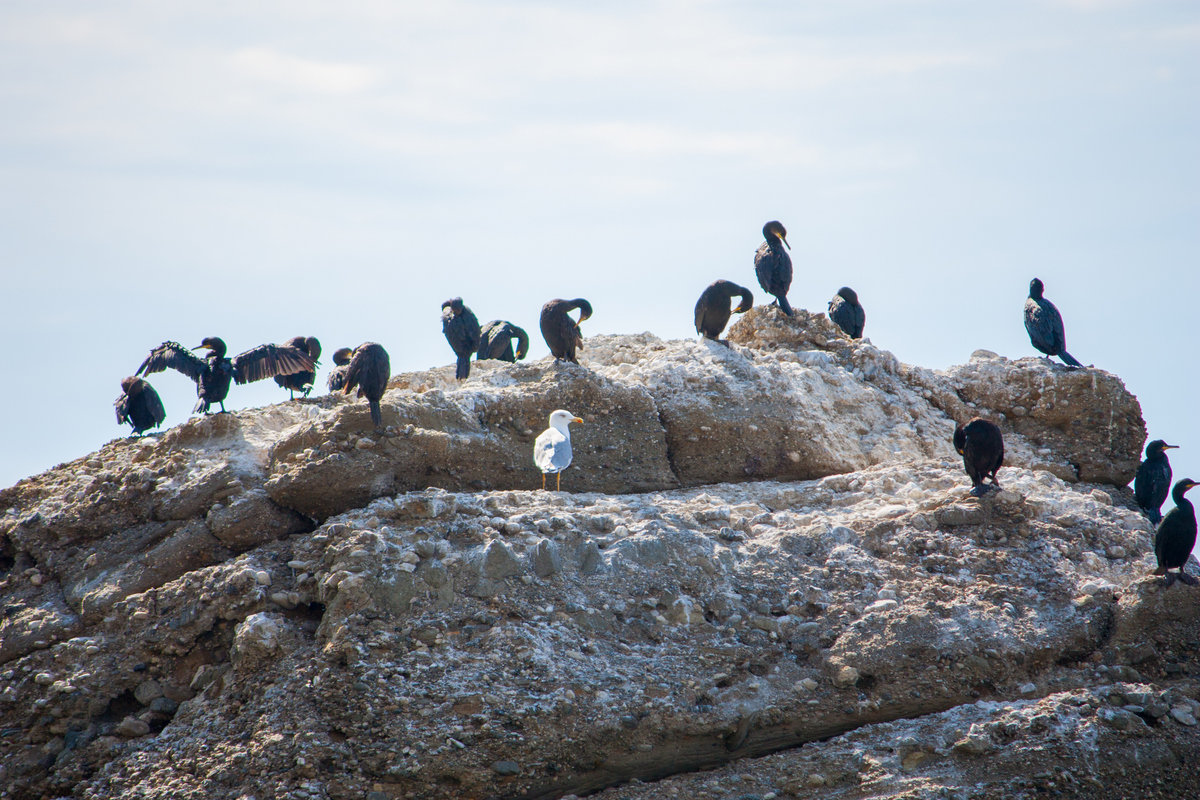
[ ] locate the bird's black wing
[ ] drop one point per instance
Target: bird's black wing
(269, 360)
(175, 356)
(121, 406)
(154, 404)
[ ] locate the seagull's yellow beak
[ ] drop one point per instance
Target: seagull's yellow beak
(577, 419)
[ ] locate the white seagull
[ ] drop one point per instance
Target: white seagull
(552, 447)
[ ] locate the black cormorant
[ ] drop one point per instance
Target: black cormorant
(982, 447)
(495, 341)
(139, 405)
(369, 371)
(773, 265)
(562, 333)
(712, 309)
(301, 381)
(462, 332)
(1176, 536)
(847, 312)
(1153, 480)
(341, 362)
(1045, 325)
(213, 373)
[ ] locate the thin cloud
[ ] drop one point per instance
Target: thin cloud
(303, 74)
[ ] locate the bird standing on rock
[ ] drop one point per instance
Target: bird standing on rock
(562, 333)
(552, 447)
(773, 265)
(981, 445)
(495, 342)
(847, 313)
(301, 381)
(214, 373)
(461, 328)
(712, 309)
(1153, 480)
(139, 405)
(368, 371)
(1045, 326)
(1176, 536)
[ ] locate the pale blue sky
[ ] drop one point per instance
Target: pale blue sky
(263, 170)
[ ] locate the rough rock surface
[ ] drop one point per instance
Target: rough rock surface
(766, 580)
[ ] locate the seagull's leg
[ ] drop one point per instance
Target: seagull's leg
(543, 481)
(558, 481)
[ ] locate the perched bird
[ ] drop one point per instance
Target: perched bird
(462, 332)
(495, 341)
(368, 371)
(301, 381)
(552, 447)
(773, 265)
(213, 373)
(982, 447)
(139, 405)
(341, 362)
(847, 313)
(712, 309)
(1045, 325)
(561, 332)
(1176, 536)
(1153, 480)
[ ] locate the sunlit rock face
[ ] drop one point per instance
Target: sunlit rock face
(758, 546)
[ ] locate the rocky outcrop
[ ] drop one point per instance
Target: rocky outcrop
(763, 546)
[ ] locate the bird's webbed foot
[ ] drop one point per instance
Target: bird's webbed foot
(1168, 578)
(1188, 579)
(979, 490)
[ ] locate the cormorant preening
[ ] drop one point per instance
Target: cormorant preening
(1176, 536)
(213, 373)
(560, 331)
(1045, 325)
(495, 341)
(301, 381)
(341, 362)
(845, 310)
(369, 371)
(1153, 480)
(139, 405)
(773, 265)
(462, 332)
(552, 447)
(712, 309)
(982, 447)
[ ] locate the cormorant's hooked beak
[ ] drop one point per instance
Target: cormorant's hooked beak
(1170, 447)
(203, 347)
(785, 241)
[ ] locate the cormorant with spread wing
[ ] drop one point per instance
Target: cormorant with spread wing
(301, 381)
(562, 333)
(461, 328)
(495, 341)
(214, 373)
(341, 362)
(368, 371)
(981, 445)
(712, 309)
(1045, 326)
(847, 313)
(139, 405)
(773, 265)
(1176, 536)
(1153, 480)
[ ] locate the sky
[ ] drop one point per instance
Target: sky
(258, 171)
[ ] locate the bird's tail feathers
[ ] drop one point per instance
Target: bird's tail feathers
(376, 413)
(784, 305)
(1069, 359)
(464, 367)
